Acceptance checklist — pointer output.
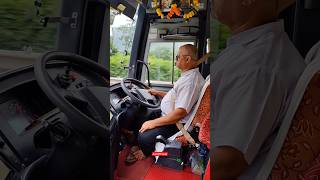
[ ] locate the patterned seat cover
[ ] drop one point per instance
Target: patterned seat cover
(299, 157)
(202, 113)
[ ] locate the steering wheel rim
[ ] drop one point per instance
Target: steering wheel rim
(134, 98)
(77, 119)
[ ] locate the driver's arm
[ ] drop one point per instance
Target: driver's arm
(157, 92)
(170, 118)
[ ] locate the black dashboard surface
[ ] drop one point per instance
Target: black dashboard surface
(25, 109)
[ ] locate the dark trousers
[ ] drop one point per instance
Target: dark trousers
(147, 139)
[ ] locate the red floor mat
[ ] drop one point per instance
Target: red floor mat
(136, 171)
(160, 173)
(146, 170)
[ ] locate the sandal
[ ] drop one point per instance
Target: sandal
(131, 158)
(139, 155)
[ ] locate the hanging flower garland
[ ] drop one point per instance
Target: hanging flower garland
(156, 5)
(194, 10)
(176, 9)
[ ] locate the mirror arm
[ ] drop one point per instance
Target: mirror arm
(149, 84)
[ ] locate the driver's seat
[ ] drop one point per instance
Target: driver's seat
(200, 112)
(295, 153)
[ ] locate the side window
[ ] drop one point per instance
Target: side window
(121, 36)
(21, 29)
(161, 60)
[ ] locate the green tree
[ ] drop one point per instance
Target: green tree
(160, 69)
(224, 34)
(20, 27)
(162, 53)
(113, 49)
(118, 62)
(126, 38)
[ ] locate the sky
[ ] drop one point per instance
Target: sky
(120, 20)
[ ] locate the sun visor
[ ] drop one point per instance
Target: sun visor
(127, 7)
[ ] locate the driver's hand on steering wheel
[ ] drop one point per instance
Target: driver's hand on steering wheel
(156, 92)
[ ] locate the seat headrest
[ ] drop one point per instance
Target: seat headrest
(313, 53)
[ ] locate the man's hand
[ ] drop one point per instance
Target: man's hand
(171, 118)
(156, 92)
(147, 125)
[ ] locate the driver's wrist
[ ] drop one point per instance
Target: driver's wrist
(154, 122)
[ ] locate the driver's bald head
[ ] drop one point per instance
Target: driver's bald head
(190, 50)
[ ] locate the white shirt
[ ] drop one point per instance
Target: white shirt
(184, 94)
(253, 81)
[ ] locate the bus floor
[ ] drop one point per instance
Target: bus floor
(147, 170)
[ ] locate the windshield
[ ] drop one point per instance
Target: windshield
(122, 30)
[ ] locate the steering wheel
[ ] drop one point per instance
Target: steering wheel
(138, 92)
(71, 102)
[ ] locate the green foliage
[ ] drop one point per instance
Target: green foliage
(160, 69)
(162, 53)
(118, 62)
(224, 34)
(20, 27)
(113, 49)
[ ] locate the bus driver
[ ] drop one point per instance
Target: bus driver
(185, 91)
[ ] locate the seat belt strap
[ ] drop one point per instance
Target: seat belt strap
(180, 126)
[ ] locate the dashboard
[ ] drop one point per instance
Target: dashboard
(18, 116)
(25, 110)
(22, 107)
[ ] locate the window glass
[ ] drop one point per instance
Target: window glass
(161, 61)
(121, 36)
(21, 28)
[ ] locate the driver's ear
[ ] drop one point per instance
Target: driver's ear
(188, 59)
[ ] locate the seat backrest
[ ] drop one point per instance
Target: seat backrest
(297, 144)
(201, 110)
(204, 107)
(302, 145)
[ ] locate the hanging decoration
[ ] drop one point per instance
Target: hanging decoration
(181, 8)
(174, 10)
(192, 10)
(156, 5)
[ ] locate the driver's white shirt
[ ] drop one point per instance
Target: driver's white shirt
(184, 94)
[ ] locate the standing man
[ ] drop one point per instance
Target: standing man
(253, 80)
